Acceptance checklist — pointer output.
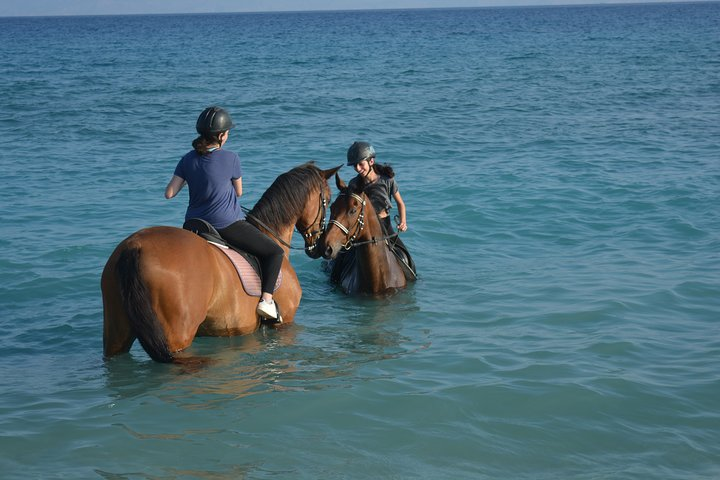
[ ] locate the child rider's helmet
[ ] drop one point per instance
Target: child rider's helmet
(358, 152)
(214, 120)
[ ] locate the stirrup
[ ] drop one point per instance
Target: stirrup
(265, 315)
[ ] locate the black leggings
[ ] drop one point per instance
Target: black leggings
(247, 237)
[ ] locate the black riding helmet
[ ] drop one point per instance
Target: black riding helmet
(213, 120)
(358, 152)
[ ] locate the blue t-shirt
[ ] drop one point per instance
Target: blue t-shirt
(209, 178)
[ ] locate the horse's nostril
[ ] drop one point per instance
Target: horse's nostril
(328, 252)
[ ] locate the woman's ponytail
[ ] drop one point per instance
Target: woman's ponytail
(384, 169)
(203, 144)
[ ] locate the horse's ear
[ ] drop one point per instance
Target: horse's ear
(339, 183)
(329, 173)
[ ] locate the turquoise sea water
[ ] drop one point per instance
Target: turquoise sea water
(562, 174)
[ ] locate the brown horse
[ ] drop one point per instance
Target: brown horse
(165, 285)
(365, 260)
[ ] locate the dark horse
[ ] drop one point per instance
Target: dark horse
(165, 285)
(366, 258)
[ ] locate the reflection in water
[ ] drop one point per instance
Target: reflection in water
(336, 343)
(348, 333)
(356, 331)
(233, 472)
(233, 367)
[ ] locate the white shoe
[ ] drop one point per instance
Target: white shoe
(267, 309)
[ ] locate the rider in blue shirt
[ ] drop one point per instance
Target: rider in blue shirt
(214, 179)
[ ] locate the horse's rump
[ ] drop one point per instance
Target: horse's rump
(136, 301)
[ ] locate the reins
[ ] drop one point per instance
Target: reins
(373, 240)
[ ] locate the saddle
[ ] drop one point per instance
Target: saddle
(406, 262)
(246, 265)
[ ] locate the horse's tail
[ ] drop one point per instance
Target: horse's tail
(136, 302)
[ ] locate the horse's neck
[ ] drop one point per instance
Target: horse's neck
(285, 233)
(280, 234)
(372, 230)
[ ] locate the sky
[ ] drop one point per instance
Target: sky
(9, 8)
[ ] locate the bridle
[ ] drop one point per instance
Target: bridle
(359, 223)
(358, 226)
(307, 233)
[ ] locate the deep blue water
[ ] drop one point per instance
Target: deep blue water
(562, 174)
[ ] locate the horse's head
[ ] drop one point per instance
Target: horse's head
(347, 216)
(312, 222)
(298, 199)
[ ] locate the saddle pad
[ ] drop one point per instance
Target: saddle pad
(249, 278)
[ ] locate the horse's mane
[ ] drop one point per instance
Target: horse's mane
(285, 200)
(353, 187)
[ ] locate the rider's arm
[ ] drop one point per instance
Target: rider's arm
(174, 186)
(237, 184)
(402, 226)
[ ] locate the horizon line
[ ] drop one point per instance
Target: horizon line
(606, 3)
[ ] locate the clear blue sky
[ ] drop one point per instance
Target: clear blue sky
(113, 7)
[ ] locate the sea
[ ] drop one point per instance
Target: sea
(561, 171)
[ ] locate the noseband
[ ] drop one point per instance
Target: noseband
(359, 223)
